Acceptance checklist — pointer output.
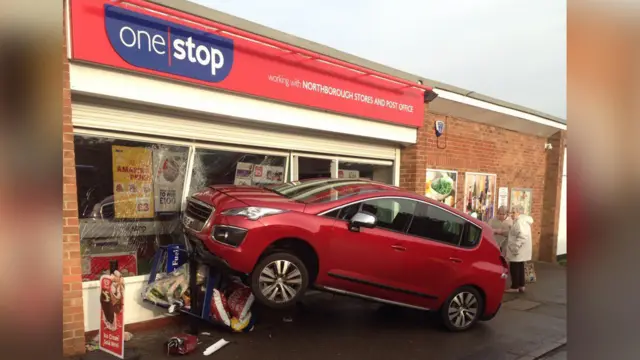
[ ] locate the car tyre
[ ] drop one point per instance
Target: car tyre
(279, 280)
(462, 310)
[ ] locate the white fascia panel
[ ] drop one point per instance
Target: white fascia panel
(109, 83)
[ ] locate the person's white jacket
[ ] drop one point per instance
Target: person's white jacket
(519, 244)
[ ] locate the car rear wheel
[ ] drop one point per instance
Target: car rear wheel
(462, 309)
(279, 280)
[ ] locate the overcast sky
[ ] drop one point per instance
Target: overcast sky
(514, 50)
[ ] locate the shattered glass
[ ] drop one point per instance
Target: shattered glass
(130, 196)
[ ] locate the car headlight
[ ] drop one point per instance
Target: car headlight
(252, 212)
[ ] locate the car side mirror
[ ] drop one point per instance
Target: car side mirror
(362, 219)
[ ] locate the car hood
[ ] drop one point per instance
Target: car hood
(224, 197)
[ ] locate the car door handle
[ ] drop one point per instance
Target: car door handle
(398, 247)
(455, 260)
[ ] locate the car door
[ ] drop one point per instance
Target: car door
(370, 261)
(432, 260)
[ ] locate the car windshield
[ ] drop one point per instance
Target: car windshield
(324, 190)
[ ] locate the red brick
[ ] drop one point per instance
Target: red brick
(70, 230)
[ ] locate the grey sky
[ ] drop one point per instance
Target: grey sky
(514, 50)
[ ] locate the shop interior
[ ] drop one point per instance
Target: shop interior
(125, 216)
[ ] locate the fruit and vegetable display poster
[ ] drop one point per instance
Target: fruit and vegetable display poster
(132, 182)
(111, 331)
(441, 186)
(169, 168)
(479, 195)
(522, 197)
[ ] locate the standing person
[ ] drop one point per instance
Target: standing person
(519, 247)
(501, 224)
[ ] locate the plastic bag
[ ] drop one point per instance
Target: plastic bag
(171, 288)
(219, 308)
(244, 324)
(529, 272)
(240, 301)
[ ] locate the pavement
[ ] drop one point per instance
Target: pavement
(529, 326)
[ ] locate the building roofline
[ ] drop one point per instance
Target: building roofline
(261, 30)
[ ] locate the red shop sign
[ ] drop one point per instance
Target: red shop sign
(121, 35)
(112, 314)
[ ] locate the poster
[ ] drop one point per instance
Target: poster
(442, 186)
(348, 174)
(250, 174)
(267, 174)
(132, 182)
(98, 265)
(111, 331)
(243, 174)
(503, 197)
(522, 197)
(479, 195)
(169, 170)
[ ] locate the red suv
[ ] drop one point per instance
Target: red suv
(352, 237)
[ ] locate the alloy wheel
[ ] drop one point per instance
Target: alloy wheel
(280, 281)
(463, 309)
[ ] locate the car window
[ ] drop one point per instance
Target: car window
(391, 214)
(433, 223)
(471, 236)
(332, 214)
(347, 212)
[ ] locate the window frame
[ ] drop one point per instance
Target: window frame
(406, 232)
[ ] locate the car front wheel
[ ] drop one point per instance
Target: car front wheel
(279, 280)
(462, 309)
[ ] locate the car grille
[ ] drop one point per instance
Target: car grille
(196, 214)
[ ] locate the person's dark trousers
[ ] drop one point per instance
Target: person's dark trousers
(517, 274)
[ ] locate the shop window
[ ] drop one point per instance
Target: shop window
(228, 167)
(129, 200)
(313, 168)
(431, 222)
(351, 170)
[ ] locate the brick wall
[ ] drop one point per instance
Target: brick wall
(518, 160)
(72, 311)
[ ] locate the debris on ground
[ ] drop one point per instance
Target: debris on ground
(181, 344)
(92, 345)
(128, 336)
(215, 347)
(287, 319)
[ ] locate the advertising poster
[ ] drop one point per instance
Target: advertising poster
(479, 196)
(111, 331)
(522, 197)
(132, 182)
(98, 265)
(250, 174)
(348, 174)
(243, 174)
(267, 174)
(169, 169)
(441, 186)
(503, 197)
